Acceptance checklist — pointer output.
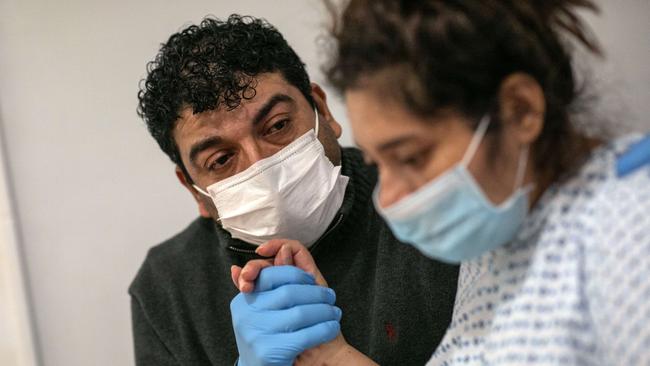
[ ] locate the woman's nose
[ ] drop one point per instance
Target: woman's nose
(391, 189)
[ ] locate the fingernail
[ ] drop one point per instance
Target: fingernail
(332, 294)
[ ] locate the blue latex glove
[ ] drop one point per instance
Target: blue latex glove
(285, 315)
(633, 159)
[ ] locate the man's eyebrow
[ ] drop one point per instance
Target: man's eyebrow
(266, 108)
(203, 145)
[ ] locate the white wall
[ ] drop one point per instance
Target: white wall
(94, 192)
(16, 332)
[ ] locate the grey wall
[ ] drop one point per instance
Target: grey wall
(622, 79)
(92, 190)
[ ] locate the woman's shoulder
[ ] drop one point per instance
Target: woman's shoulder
(616, 253)
(616, 200)
(596, 195)
(601, 213)
(596, 188)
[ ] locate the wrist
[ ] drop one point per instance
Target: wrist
(339, 352)
(334, 353)
(324, 354)
(341, 355)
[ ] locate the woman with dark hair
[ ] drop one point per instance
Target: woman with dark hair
(469, 110)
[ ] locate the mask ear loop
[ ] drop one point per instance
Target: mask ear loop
(205, 194)
(521, 168)
(476, 141)
(201, 191)
(317, 124)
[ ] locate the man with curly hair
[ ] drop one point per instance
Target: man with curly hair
(255, 144)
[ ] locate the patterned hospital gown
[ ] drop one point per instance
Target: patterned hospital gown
(573, 288)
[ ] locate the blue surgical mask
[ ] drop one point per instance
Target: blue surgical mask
(451, 219)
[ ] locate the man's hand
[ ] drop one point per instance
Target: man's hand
(285, 253)
(287, 314)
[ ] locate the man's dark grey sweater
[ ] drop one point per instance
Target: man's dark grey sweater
(396, 303)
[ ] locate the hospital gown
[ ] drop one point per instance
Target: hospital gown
(573, 288)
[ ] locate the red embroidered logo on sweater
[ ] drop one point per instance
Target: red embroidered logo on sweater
(390, 332)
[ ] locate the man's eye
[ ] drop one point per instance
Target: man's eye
(277, 126)
(220, 161)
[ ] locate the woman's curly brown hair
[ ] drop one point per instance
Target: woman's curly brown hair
(437, 55)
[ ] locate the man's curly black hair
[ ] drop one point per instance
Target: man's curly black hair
(210, 65)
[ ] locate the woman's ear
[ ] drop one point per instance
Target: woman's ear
(522, 107)
(325, 116)
(200, 200)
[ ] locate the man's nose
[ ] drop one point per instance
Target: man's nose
(255, 151)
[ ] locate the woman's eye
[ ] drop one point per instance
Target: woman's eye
(416, 160)
(277, 126)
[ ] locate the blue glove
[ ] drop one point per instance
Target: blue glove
(285, 315)
(633, 159)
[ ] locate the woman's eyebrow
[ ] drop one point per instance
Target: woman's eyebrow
(391, 144)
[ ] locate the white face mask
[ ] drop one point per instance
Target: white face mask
(293, 194)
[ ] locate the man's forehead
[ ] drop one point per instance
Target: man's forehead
(270, 90)
(265, 87)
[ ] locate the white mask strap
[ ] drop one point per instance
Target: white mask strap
(476, 140)
(205, 194)
(521, 168)
(201, 191)
(317, 126)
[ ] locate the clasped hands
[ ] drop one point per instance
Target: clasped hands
(285, 313)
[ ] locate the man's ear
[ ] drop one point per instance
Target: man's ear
(198, 197)
(522, 107)
(320, 98)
